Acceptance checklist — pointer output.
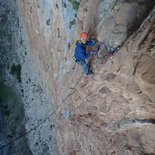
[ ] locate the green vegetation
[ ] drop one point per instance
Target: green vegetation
(11, 108)
(64, 5)
(16, 71)
(72, 22)
(75, 4)
(57, 6)
(5, 93)
(48, 22)
(69, 45)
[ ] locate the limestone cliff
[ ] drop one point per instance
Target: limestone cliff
(109, 113)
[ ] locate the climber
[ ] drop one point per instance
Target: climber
(81, 54)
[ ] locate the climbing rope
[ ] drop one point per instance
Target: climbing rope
(34, 128)
(63, 101)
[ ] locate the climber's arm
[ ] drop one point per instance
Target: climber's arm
(83, 55)
(91, 42)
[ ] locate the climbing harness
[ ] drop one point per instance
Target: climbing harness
(74, 63)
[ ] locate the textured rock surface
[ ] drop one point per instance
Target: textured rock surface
(11, 50)
(110, 113)
(20, 72)
(113, 112)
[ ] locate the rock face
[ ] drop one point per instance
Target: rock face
(12, 110)
(110, 113)
(113, 21)
(21, 74)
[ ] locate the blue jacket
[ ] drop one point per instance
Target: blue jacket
(80, 50)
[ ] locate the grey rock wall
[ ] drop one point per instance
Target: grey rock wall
(117, 20)
(12, 50)
(110, 113)
(20, 72)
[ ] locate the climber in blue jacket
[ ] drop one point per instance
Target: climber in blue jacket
(80, 54)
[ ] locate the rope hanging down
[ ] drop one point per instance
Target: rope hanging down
(63, 101)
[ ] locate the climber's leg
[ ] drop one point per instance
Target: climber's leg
(84, 66)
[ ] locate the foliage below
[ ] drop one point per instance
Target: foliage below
(16, 70)
(69, 45)
(64, 5)
(11, 108)
(75, 4)
(72, 22)
(5, 93)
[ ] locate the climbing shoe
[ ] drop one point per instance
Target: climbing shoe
(91, 72)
